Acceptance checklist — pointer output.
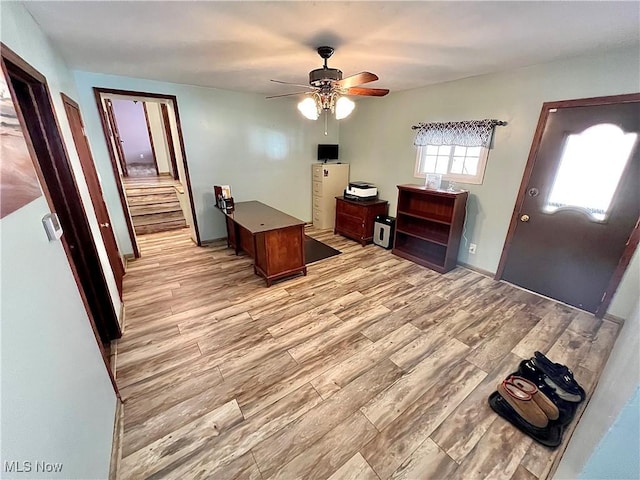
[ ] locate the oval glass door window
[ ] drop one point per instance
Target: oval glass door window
(590, 168)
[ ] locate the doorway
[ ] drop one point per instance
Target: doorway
(95, 190)
(156, 196)
(574, 227)
(32, 101)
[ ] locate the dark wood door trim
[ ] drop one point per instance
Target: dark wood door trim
(153, 148)
(95, 191)
(57, 181)
(115, 133)
(107, 119)
(535, 146)
(172, 149)
(98, 91)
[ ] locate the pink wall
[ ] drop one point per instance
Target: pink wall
(133, 131)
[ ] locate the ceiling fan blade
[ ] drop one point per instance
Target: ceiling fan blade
(287, 95)
(289, 83)
(371, 92)
(357, 79)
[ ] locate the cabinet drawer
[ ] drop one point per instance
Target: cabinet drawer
(317, 189)
(351, 209)
(317, 202)
(317, 173)
(349, 224)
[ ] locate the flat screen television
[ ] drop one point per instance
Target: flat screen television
(327, 152)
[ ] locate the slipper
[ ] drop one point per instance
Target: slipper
(567, 410)
(523, 404)
(550, 436)
(545, 404)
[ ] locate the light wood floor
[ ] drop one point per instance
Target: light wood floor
(370, 367)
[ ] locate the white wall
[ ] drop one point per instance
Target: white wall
(58, 404)
(377, 139)
(262, 148)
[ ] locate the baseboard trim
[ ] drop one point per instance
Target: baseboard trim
(211, 241)
(481, 271)
(116, 444)
(127, 257)
(613, 318)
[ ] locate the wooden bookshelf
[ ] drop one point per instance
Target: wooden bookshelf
(429, 226)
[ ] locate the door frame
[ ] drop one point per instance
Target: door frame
(115, 133)
(58, 183)
(153, 147)
(98, 91)
(634, 237)
(97, 197)
(167, 131)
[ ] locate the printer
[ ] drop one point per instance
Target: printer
(361, 191)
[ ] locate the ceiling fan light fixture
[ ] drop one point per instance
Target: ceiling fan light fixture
(309, 108)
(344, 107)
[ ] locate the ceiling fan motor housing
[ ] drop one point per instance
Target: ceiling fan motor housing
(322, 76)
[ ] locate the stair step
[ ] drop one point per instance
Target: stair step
(160, 227)
(137, 191)
(155, 208)
(158, 218)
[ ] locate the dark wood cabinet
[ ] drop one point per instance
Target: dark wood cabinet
(354, 219)
(429, 226)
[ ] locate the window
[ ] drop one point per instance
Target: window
(591, 166)
(455, 163)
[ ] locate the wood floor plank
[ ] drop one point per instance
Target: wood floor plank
(427, 461)
(157, 364)
(165, 450)
(543, 335)
(489, 351)
(295, 438)
(145, 405)
(468, 423)
(497, 455)
(389, 404)
(237, 442)
(332, 380)
(407, 432)
(324, 457)
(356, 468)
(601, 346)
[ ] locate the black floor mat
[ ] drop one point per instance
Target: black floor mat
(550, 436)
(315, 250)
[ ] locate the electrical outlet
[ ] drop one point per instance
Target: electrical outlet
(472, 248)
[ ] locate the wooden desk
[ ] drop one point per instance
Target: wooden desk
(272, 238)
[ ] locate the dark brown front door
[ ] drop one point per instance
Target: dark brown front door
(95, 190)
(579, 201)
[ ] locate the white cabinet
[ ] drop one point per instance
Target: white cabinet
(329, 181)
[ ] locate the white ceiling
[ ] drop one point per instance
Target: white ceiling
(240, 45)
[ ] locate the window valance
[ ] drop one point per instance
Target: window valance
(468, 133)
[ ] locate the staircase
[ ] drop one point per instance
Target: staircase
(154, 207)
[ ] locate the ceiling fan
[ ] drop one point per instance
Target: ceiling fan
(327, 90)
